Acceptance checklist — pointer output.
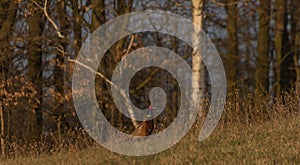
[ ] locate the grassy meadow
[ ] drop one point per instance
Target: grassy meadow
(267, 142)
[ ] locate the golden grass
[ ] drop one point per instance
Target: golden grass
(269, 142)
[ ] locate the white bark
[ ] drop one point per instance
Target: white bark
(197, 64)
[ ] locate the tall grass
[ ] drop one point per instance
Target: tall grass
(252, 131)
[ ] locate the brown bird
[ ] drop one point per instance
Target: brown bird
(146, 127)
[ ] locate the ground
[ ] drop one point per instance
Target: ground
(269, 142)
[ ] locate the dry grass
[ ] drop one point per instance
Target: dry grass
(248, 133)
(269, 142)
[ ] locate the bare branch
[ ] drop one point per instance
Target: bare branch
(225, 4)
(44, 9)
(130, 45)
(122, 92)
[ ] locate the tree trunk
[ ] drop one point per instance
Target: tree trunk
(262, 68)
(2, 134)
(288, 74)
(35, 117)
(232, 51)
(197, 64)
(98, 16)
(59, 72)
(7, 20)
(295, 30)
(280, 9)
(77, 27)
(123, 7)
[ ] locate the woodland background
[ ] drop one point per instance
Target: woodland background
(259, 42)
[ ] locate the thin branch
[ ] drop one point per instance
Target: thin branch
(152, 74)
(130, 45)
(225, 4)
(93, 71)
(44, 9)
(122, 92)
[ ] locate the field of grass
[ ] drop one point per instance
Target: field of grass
(269, 142)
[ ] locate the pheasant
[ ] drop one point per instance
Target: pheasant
(146, 127)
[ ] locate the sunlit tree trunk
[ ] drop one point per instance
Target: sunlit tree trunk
(197, 64)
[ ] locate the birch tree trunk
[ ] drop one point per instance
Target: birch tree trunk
(197, 64)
